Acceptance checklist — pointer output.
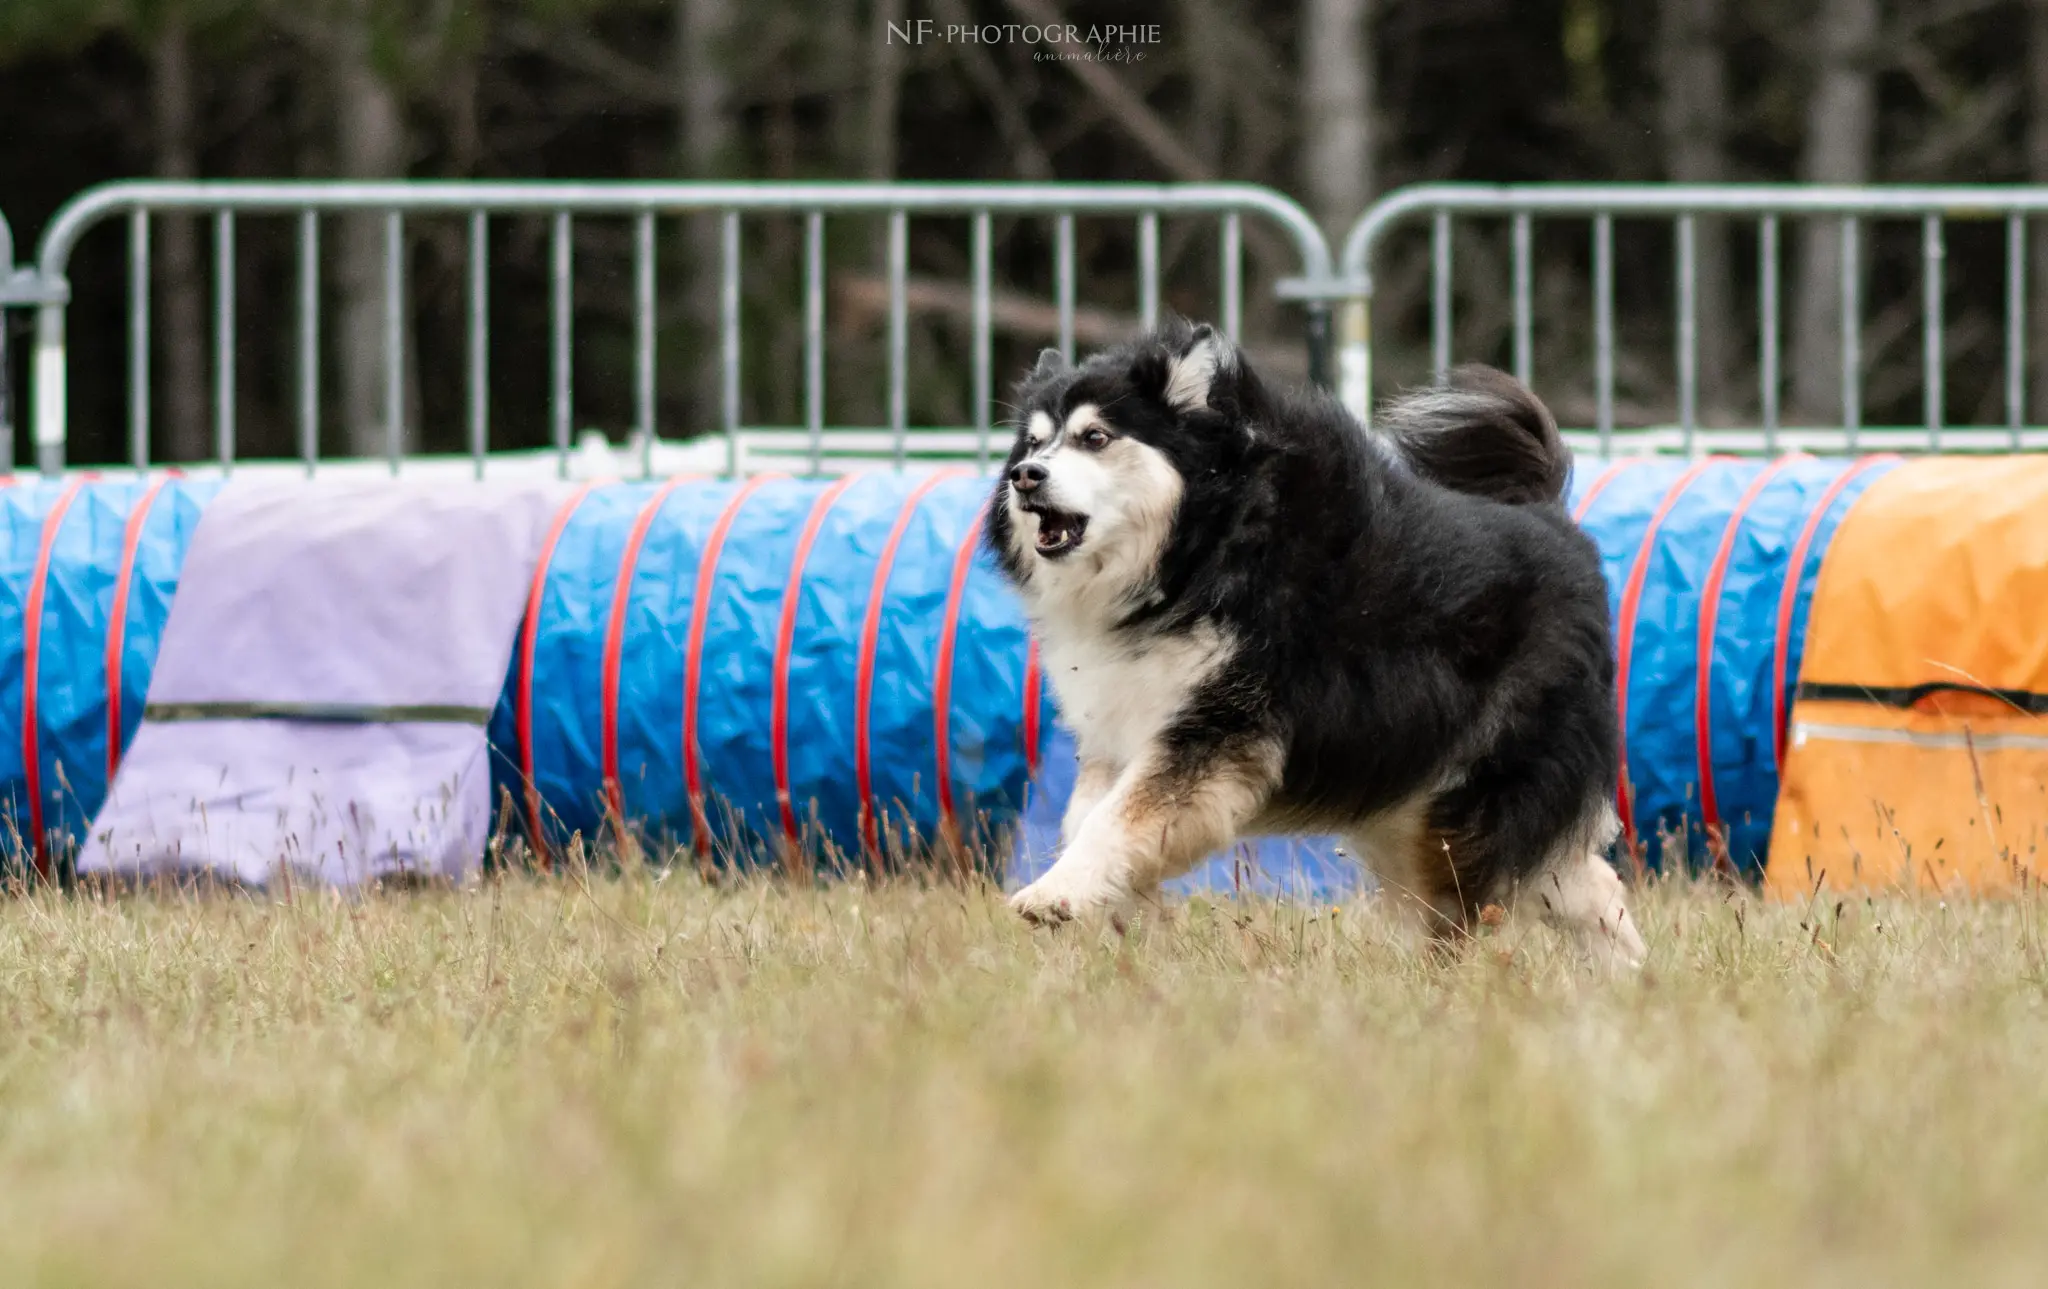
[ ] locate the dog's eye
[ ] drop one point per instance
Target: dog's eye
(1094, 437)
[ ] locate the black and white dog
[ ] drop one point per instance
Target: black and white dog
(1257, 617)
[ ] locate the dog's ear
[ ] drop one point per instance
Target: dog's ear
(1051, 362)
(1193, 374)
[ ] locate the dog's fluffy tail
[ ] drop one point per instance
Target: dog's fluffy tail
(1480, 431)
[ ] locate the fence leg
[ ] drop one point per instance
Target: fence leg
(51, 373)
(6, 395)
(1319, 344)
(1355, 354)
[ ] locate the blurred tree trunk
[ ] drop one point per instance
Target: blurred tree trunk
(879, 123)
(885, 94)
(1691, 36)
(885, 91)
(1841, 138)
(2037, 172)
(370, 143)
(181, 326)
(1337, 98)
(704, 141)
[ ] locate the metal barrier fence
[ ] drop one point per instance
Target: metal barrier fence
(6, 318)
(1318, 283)
(19, 288)
(643, 204)
(1602, 204)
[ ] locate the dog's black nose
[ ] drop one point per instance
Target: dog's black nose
(1026, 475)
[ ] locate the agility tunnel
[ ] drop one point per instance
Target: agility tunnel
(836, 663)
(1917, 754)
(848, 667)
(819, 662)
(1710, 567)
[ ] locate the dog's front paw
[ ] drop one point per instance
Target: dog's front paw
(1040, 909)
(1057, 898)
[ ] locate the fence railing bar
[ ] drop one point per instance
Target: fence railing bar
(729, 337)
(1662, 440)
(1148, 269)
(224, 338)
(984, 357)
(1956, 201)
(1767, 327)
(1688, 330)
(1147, 204)
(51, 392)
(309, 339)
(479, 338)
(1525, 305)
(1850, 205)
(1603, 329)
(6, 391)
(1932, 338)
(1233, 276)
(2016, 324)
(394, 337)
(899, 331)
(643, 338)
(1852, 331)
(6, 362)
(561, 326)
(814, 336)
(1440, 294)
(1063, 280)
(138, 338)
(679, 197)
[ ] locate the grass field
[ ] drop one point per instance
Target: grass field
(627, 1081)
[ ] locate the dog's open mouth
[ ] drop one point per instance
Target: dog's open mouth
(1059, 531)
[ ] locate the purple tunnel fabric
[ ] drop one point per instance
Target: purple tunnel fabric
(320, 696)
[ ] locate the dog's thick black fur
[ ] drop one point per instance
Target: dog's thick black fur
(1416, 615)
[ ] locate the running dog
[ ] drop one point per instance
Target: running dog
(1258, 617)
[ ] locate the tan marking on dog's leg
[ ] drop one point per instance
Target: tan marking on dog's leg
(1414, 870)
(1091, 783)
(1150, 827)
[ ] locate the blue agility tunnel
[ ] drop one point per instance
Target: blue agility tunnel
(852, 668)
(1710, 570)
(848, 661)
(853, 673)
(86, 578)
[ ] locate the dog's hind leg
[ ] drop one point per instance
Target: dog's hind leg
(1417, 883)
(1581, 895)
(1164, 812)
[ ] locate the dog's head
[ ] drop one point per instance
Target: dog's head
(1109, 452)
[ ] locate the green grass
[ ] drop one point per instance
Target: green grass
(628, 1081)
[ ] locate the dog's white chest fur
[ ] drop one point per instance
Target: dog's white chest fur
(1116, 697)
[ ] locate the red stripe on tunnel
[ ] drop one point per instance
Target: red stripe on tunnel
(615, 640)
(117, 619)
(1788, 596)
(693, 655)
(785, 646)
(1625, 627)
(1034, 698)
(864, 671)
(942, 672)
(31, 666)
(1710, 614)
(1599, 485)
(522, 701)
